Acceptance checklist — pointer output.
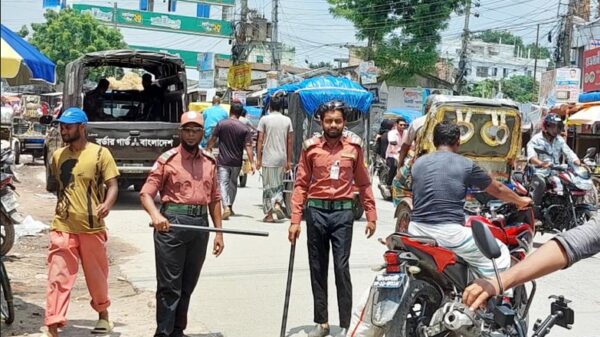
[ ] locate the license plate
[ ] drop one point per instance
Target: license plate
(389, 280)
(9, 201)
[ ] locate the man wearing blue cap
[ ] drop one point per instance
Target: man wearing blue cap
(86, 176)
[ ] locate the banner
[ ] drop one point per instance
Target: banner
(239, 77)
(367, 72)
(158, 21)
(225, 3)
(591, 70)
(190, 58)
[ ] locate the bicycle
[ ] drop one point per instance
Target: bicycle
(7, 308)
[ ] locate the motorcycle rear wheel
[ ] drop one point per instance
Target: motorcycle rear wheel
(7, 308)
(7, 234)
(416, 310)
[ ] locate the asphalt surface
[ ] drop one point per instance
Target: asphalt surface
(241, 293)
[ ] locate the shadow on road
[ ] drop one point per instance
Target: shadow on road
(306, 329)
(128, 200)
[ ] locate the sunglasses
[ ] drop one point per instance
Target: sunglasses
(195, 129)
(403, 125)
(331, 105)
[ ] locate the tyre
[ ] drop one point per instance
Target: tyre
(17, 153)
(7, 236)
(583, 216)
(243, 180)
(7, 309)
(402, 217)
(418, 306)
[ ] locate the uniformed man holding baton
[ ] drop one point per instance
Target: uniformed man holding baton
(186, 178)
(330, 165)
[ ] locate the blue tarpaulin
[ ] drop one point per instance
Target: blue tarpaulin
(318, 90)
(409, 115)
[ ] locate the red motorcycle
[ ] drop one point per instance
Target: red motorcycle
(420, 292)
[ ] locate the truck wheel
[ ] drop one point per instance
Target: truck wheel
(17, 153)
(243, 180)
(7, 235)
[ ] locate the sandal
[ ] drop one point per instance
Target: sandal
(269, 220)
(103, 327)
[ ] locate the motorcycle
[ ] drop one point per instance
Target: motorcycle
(591, 159)
(9, 215)
(419, 292)
(379, 168)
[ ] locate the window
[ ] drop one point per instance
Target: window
(504, 72)
(260, 58)
(482, 72)
(494, 72)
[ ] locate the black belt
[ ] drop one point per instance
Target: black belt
(185, 209)
(331, 204)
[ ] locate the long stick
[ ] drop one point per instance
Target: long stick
(288, 289)
(220, 230)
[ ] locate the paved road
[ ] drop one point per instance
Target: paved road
(240, 294)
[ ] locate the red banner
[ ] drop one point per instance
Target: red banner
(591, 70)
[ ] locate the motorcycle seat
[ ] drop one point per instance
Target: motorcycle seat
(419, 238)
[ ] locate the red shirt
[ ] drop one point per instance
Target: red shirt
(183, 178)
(314, 181)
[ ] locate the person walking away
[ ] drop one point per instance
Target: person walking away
(233, 137)
(212, 116)
(86, 175)
(440, 182)
(274, 156)
(329, 167)
(186, 178)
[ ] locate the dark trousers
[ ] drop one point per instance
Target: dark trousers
(179, 256)
(392, 164)
(538, 188)
(325, 227)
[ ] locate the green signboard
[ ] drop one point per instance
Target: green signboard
(213, 2)
(190, 58)
(158, 21)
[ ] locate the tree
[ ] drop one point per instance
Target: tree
(503, 37)
(519, 88)
(67, 35)
(402, 36)
(23, 32)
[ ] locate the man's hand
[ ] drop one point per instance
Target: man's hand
(288, 166)
(546, 164)
(479, 291)
(102, 211)
(294, 232)
(218, 245)
(370, 230)
(524, 202)
(161, 223)
(258, 165)
(253, 168)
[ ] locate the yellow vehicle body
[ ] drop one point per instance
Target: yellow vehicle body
(201, 106)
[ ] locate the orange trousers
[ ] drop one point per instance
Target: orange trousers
(65, 252)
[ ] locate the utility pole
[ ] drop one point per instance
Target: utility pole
(238, 49)
(115, 15)
(568, 35)
(462, 64)
(275, 48)
(536, 54)
(150, 5)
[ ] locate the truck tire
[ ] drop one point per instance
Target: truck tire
(17, 153)
(243, 180)
(8, 234)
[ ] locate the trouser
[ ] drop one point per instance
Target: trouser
(392, 164)
(538, 188)
(325, 227)
(179, 255)
(272, 178)
(64, 254)
(228, 176)
(459, 239)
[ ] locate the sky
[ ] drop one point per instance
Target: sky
(308, 26)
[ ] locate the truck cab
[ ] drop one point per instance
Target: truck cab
(135, 122)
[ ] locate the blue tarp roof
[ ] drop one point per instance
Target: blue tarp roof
(40, 66)
(318, 90)
(408, 114)
(253, 111)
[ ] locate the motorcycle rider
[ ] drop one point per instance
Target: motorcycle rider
(553, 146)
(560, 252)
(440, 182)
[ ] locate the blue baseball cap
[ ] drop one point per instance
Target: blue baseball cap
(73, 115)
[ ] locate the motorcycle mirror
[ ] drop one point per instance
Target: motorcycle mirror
(485, 241)
(590, 152)
(46, 120)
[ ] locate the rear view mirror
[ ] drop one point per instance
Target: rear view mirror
(590, 152)
(485, 241)
(46, 120)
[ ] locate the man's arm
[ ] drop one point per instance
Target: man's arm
(290, 138)
(211, 142)
(250, 154)
(214, 208)
(365, 193)
(259, 149)
(569, 154)
(111, 197)
(498, 190)
(147, 194)
(299, 195)
(401, 157)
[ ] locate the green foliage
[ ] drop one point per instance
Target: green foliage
(23, 32)
(320, 65)
(67, 35)
(402, 36)
(504, 37)
(518, 88)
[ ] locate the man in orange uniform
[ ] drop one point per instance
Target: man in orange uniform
(186, 178)
(329, 167)
(86, 174)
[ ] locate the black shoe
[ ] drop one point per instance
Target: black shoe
(318, 331)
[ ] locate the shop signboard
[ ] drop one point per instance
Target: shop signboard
(158, 21)
(591, 70)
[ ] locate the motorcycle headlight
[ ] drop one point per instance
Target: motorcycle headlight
(583, 184)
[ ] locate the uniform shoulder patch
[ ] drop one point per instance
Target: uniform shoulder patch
(353, 138)
(307, 144)
(209, 155)
(167, 155)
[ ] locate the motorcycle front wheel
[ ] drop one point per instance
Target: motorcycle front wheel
(7, 234)
(416, 310)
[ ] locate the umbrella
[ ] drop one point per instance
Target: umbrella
(589, 115)
(21, 62)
